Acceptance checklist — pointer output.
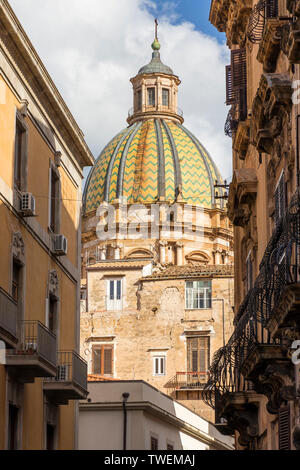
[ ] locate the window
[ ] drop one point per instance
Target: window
(151, 96)
(249, 273)
(198, 294)
(20, 155)
(103, 360)
(165, 97)
(13, 418)
(170, 446)
(52, 314)
(198, 354)
(139, 99)
(284, 428)
(16, 279)
(159, 365)
(54, 200)
(154, 443)
(114, 294)
(280, 199)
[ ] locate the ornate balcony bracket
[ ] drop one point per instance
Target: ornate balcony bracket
(241, 139)
(293, 7)
(240, 409)
(285, 321)
(271, 114)
(242, 195)
(269, 47)
(232, 18)
(290, 41)
(272, 374)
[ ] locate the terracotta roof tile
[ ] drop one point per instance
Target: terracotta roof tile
(120, 264)
(100, 378)
(189, 271)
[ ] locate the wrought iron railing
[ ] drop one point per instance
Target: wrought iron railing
(36, 339)
(70, 368)
(263, 10)
(232, 122)
(8, 313)
(187, 380)
(279, 268)
(158, 108)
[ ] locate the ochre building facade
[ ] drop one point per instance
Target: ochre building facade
(254, 381)
(42, 153)
(157, 275)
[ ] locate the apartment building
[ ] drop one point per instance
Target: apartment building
(254, 379)
(42, 154)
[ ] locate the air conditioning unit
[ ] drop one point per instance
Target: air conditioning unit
(27, 204)
(60, 245)
(62, 373)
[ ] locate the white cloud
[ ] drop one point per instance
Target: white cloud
(92, 48)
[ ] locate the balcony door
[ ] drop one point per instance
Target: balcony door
(198, 357)
(114, 294)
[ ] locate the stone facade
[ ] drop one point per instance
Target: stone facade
(262, 404)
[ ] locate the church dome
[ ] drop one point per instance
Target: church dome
(153, 160)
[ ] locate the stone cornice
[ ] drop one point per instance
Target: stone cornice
(18, 48)
(231, 16)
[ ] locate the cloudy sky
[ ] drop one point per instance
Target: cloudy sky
(91, 48)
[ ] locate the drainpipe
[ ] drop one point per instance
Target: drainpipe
(125, 398)
(223, 317)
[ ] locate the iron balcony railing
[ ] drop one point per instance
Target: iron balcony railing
(262, 11)
(8, 314)
(70, 368)
(36, 339)
(158, 108)
(188, 380)
(280, 267)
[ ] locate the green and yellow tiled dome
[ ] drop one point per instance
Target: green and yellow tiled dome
(153, 160)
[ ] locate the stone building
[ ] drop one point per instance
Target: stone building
(42, 153)
(157, 287)
(254, 382)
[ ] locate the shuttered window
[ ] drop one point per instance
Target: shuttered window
(284, 428)
(159, 365)
(280, 199)
(154, 443)
(231, 95)
(103, 360)
(236, 82)
(198, 354)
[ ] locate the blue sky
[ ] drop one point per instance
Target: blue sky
(194, 11)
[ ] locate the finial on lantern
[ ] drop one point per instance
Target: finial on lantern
(156, 45)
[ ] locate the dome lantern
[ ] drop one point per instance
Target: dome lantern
(155, 90)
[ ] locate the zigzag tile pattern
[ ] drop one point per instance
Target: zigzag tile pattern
(140, 183)
(169, 168)
(94, 193)
(196, 186)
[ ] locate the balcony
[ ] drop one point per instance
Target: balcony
(8, 320)
(35, 354)
(70, 382)
(188, 381)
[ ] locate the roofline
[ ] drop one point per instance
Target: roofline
(49, 90)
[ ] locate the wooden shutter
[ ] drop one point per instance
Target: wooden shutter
(231, 95)
(239, 80)
(97, 360)
(108, 361)
(198, 354)
(284, 428)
